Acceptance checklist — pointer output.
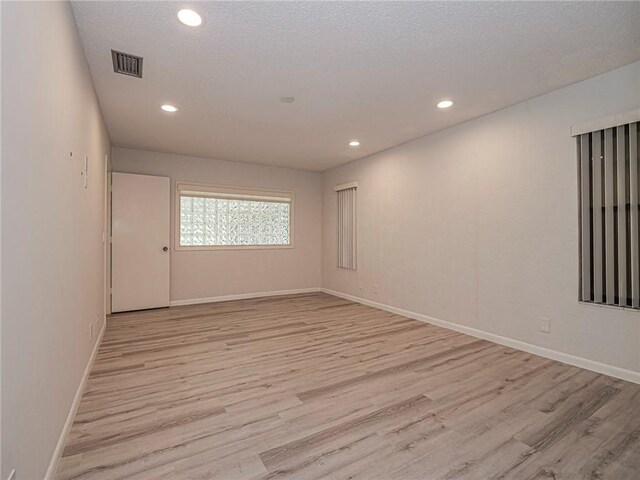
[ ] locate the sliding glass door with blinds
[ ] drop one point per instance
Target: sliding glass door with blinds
(347, 238)
(609, 183)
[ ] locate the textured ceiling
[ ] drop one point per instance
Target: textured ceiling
(367, 70)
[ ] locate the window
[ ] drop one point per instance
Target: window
(609, 182)
(347, 238)
(210, 217)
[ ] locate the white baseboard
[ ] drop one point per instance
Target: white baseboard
(241, 296)
(581, 362)
(57, 453)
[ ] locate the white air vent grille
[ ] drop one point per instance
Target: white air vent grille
(127, 64)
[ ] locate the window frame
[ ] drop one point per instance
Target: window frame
(230, 190)
(344, 228)
(605, 186)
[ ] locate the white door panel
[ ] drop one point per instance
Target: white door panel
(140, 235)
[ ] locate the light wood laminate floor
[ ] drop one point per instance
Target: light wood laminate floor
(316, 387)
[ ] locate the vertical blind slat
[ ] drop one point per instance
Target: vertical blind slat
(350, 227)
(342, 230)
(634, 201)
(585, 216)
(596, 176)
(354, 257)
(346, 229)
(351, 263)
(621, 170)
(339, 229)
(609, 218)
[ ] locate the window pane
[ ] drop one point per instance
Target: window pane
(229, 222)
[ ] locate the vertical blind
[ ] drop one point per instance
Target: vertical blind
(347, 225)
(609, 181)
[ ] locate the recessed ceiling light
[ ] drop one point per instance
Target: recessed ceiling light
(169, 108)
(354, 143)
(445, 104)
(189, 17)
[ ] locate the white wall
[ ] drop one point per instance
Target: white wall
(477, 224)
(203, 274)
(52, 251)
(1, 468)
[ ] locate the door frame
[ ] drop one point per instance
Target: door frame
(106, 236)
(109, 236)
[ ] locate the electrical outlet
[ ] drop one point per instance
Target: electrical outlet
(545, 325)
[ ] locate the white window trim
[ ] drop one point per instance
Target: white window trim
(344, 186)
(230, 192)
(611, 121)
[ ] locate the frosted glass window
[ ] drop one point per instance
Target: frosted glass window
(208, 221)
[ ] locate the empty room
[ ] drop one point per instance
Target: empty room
(332, 240)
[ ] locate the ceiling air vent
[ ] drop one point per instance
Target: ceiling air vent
(127, 64)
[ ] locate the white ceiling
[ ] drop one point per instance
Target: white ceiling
(367, 70)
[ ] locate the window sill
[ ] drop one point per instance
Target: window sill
(606, 305)
(232, 247)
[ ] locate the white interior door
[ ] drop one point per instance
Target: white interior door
(140, 242)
